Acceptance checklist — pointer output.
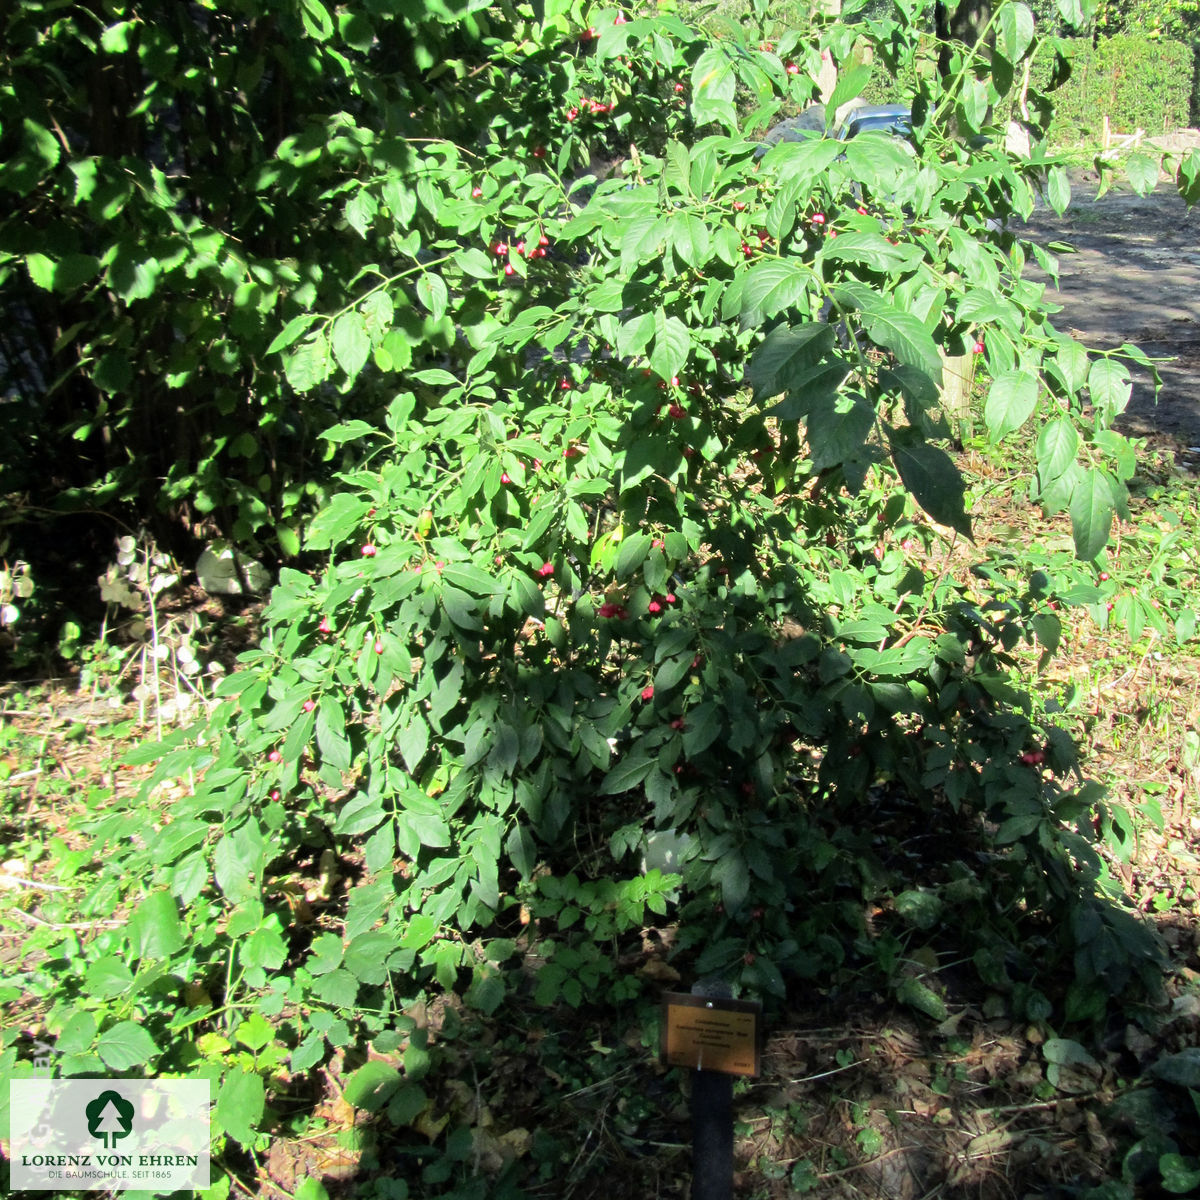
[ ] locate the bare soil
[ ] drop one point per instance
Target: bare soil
(1134, 276)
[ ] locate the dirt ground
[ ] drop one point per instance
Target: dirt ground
(1134, 277)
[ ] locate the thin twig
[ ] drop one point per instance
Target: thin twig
(826, 1074)
(33, 883)
(69, 925)
(22, 775)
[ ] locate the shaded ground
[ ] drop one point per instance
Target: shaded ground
(1134, 277)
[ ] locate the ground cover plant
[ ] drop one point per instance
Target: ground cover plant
(640, 519)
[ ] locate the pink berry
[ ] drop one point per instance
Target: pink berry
(564, 385)
(657, 544)
(679, 87)
(504, 477)
(654, 606)
(670, 597)
(378, 645)
(978, 348)
(676, 411)
(739, 205)
(509, 268)
(309, 705)
(500, 249)
(274, 756)
(324, 626)
(620, 19)
(543, 240)
(368, 551)
(476, 192)
(791, 68)
(818, 218)
(546, 569)
(275, 794)
(648, 692)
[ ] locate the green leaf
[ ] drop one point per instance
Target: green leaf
(351, 345)
(906, 337)
(627, 773)
(784, 354)
(43, 143)
(713, 87)
(871, 249)
(366, 955)
(1057, 445)
(1179, 1175)
(1014, 31)
(1071, 11)
(838, 425)
(472, 261)
(461, 608)
(317, 24)
(431, 291)
(1058, 189)
(310, 1188)
(372, 1085)
(254, 1032)
(291, 331)
(428, 828)
(690, 238)
(349, 431)
(924, 999)
(155, 930)
(849, 86)
(1142, 171)
(125, 1045)
(771, 288)
(331, 733)
(672, 343)
(1110, 387)
(241, 1103)
(108, 977)
(1181, 1069)
(1011, 400)
(632, 554)
(1063, 1052)
(77, 1034)
(931, 476)
(309, 364)
(1091, 507)
(486, 992)
(41, 270)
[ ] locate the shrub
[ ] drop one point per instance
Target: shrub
(624, 551)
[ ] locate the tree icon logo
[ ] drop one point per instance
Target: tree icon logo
(109, 1117)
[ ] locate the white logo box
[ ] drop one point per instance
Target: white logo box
(109, 1134)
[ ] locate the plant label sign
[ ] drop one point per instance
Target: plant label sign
(707, 1033)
